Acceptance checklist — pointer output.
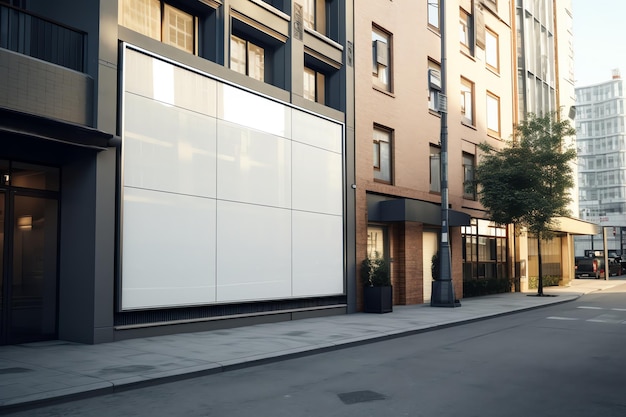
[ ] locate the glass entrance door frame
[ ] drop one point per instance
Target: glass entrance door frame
(29, 205)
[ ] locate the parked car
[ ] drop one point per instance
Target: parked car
(593, 267)
(587, 267)
(615, 267)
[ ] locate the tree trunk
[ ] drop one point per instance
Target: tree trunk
(540, 278)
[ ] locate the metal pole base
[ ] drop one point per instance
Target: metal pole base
(443, 295)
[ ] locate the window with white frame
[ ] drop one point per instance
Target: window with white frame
(161, 21)
(435, 169)
(382, 154)
(381, 58)
(433, 14)
(247, 58)
(492, 50)
(493, 113)
(434, 85)
(467, 101)
(466, 31)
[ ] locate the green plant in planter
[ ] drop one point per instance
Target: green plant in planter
(375, 272)
(377, 290)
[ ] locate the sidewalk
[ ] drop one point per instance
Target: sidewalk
(38, 372)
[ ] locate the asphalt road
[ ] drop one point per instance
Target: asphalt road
(566, 360)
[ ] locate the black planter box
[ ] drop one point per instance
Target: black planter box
(378, 299)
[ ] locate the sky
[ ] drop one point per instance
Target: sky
(599, 40)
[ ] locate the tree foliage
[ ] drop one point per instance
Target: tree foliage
(528, 182)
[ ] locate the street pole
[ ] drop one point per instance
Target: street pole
(443, 289)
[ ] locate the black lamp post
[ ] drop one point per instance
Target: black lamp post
(443, 290)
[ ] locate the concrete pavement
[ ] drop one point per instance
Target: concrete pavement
(36, 373)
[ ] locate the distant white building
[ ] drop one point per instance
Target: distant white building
(601, 144)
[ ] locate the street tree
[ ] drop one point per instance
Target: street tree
(527, 183)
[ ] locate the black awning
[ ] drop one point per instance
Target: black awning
(24, 124)
(408, 210)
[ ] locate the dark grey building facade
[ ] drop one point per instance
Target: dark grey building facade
(172, 166)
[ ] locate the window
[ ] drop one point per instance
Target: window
(143, 16)
(308, 13)
(435, 169)
(434, 85)
(376, 241)
(467, 101)
(178, 28)
(160, 21)
(247, 58)
(493, 4)
(492, 50)
(484, 250)
(433, 14)
(314, 15)
(382, 154)
(321, 82)
(257, 51)
(314, 85)
(493, 113)
(322, 16)
(469, 188)
(466, 31)
(381, 59)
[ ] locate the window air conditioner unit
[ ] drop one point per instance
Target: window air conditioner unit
(434, 79)
(382, 57)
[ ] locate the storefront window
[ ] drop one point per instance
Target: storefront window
(484, 250)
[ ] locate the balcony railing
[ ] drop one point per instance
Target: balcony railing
(40, 38)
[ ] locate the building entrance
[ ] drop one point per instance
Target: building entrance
(28, 252)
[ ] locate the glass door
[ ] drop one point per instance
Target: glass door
(32, 274)
(29, 210)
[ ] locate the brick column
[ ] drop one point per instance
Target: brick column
(361, 241)
(407, 266)
(456, 253)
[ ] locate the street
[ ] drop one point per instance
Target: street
(564, 360)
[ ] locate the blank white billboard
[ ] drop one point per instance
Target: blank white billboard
(227, 196)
